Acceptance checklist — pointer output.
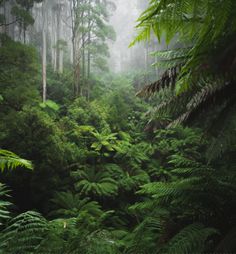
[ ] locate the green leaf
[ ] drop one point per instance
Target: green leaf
(9, 160)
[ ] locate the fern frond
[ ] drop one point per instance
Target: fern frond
(143, 35)
(24, 233)
(191, 239)
(168, 79)
(206, 57)
(146, 235)
(4, 213)
(9, 160)
(71, 205)
(98, 183)
(182, 191)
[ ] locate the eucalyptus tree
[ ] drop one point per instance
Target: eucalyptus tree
(44, 51)
(49, 16)
(90, 32)
(15, 17)
(58, 42)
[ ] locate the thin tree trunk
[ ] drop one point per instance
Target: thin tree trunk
(55, 45)
(83, 61)
(76, 64)
(44, 54)
(89, 53)
(78, 40)
(61, 62)
(83, 52)
(60, 49)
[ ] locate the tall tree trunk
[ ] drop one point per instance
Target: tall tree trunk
(83, 52)
(44, 52)
(58, 35)
(54, 32)
(60, 47)
(76, 65)
(89, 52)
(24, 33)
(8, 17)
(61, 61)
(83, 62)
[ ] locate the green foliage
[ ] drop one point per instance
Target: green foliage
(85, 113)
(190, 239)
(44, 144)
(50, 104)
(199, 77)
(23, 15)
(105, 142)
(18, 69)
(95, 182)
(59, 85)
(24, 233)
(9, 160)
(20, 10)
(4, 205)
(72, 206)
(91, 24)
(102, 183)
(188, 195)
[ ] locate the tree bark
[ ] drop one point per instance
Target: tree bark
(59, 37)
(89, 53)
(44, 52)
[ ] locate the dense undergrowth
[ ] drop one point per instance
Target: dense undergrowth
(101, 175)
(101, 184)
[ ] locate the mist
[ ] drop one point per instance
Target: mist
(123, 20)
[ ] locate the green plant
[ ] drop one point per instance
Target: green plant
(71, 205)
(95, 182)
(105, 142)
(191, 239)
(199, 74)
(24, 233)
(4, 212)
(9, 160)
(180, 213)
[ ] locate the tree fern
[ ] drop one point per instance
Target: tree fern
(189, 202)
(71, 205)
(204, 30)
(90, 181)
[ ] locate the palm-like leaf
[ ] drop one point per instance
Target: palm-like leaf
(24, 233)
(71, 205)
(201, 71)
(91, 181)
(104, 140)
(191, 239)
(9, 160)
(4, 213)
